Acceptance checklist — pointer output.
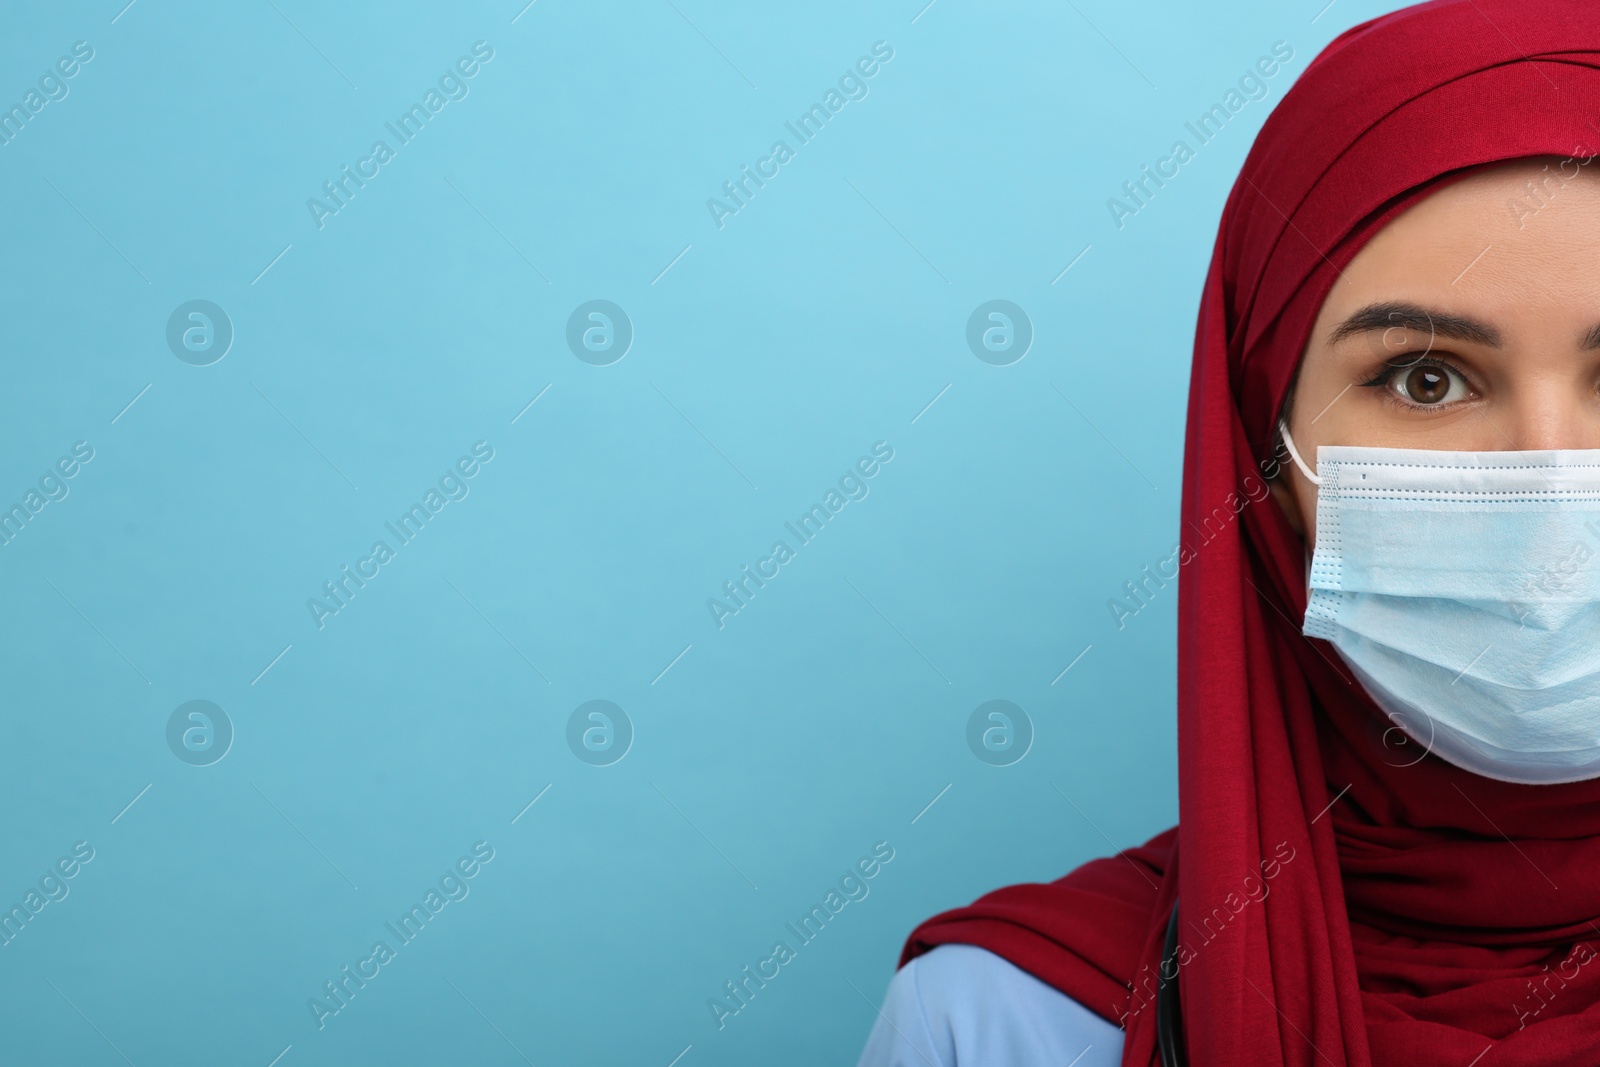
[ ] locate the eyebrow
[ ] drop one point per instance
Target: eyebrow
(1389, 314)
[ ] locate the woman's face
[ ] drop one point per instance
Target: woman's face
(1471, 322)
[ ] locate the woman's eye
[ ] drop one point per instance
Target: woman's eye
(1429, 384)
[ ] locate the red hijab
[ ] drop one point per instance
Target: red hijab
(1343, 901)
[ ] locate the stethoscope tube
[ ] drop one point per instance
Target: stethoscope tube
(1169, 1005)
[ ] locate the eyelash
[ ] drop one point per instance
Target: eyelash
(1406, 362)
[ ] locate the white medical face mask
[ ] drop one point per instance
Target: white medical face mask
(1463, 590)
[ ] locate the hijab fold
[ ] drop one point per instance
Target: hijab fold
(1347, 898)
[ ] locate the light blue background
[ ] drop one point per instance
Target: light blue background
(823, 317)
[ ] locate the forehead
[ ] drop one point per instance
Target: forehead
(1510, 242)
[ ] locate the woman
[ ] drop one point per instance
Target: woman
(1388, 849)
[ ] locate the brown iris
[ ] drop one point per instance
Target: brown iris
(1426, 385)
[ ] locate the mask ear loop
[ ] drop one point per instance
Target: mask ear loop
(1294, 453)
